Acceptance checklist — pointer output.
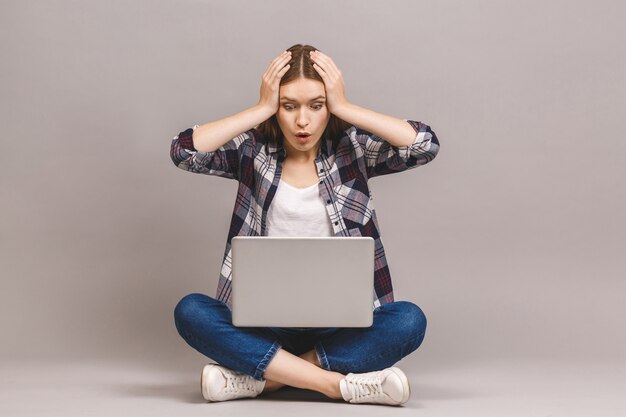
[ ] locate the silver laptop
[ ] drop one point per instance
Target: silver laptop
(302, 281)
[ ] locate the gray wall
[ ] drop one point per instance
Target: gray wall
(511, 240)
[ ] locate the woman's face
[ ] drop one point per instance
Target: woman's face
(302, 109)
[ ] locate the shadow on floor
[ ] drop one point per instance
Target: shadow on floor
(296, 394)
(189, 393)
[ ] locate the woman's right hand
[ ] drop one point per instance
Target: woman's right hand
(270, 82)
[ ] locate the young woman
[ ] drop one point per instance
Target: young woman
(304, 146)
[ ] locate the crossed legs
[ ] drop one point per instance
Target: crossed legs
(302, 371)
(206, 325)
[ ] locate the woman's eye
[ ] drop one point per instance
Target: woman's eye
(315, 106)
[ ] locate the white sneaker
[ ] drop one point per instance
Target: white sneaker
(389, 386)
(219, 383)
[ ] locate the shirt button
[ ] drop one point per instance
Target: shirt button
(336, 223)
(327, 201)
(322, 170)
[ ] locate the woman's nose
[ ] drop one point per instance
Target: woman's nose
(302, 120)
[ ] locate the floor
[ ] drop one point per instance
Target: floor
(494, 388)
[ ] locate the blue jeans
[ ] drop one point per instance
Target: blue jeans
(206, 325)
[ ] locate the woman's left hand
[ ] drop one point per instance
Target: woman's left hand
(333, 80)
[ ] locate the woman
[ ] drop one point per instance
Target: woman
(304, 143)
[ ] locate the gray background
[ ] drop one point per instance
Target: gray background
(511, 240)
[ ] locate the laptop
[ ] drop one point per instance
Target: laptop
(302, 281)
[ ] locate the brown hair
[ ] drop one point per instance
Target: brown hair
(301, 66)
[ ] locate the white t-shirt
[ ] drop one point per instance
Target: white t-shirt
(298, 212)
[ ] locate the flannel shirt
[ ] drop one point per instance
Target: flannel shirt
(343, 169)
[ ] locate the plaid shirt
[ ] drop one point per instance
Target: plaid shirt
(343, 171)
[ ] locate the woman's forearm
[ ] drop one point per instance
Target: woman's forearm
(391, 129)
(209, 137)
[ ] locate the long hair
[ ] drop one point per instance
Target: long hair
(301, 66)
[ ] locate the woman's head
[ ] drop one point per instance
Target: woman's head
(300, 65)
(302, 106)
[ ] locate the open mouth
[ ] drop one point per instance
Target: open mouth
(303, 137)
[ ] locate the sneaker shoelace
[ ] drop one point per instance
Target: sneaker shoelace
(237, 383)
(365, 388)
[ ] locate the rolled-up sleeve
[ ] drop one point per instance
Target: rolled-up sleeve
(423, 149)
(381, 157)
(224, 162)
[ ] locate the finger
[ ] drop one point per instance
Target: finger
(279, 72)
(327, 64)
(281, 55)
(321, 63)
(322, 55)
(277, 66)
(283, 71)
(278, 59)
(328, 77)
(321, 72)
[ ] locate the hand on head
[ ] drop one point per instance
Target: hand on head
(333, 80)
(270, 82)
